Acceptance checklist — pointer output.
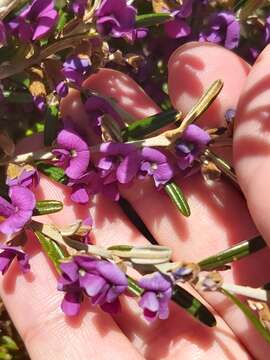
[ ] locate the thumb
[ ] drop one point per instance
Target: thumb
(252, 143)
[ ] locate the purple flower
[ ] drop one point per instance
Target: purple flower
(8, 254)
(178, 27)
(120, 162)
(84, 187)
(72, 152)
(14, 215)
(76, 68)
(222, 28)
(115, 18)
(61, 88)
(96, 107)
(100, 280)
(156, 164)
(25, 176)
(35, 21)
(78, 7)
(191, 144)
(3, 35)
(157, 294)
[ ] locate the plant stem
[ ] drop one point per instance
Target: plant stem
(249, 292)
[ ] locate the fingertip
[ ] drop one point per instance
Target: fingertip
(194, 67)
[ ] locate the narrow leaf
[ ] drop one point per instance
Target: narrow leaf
(152, 19)
(45, 207)
(53, 250)
(51, 124)
(234, 253)
(53, 172)
(143, 127)
(249, 314)
(133, 287)
(178, 198)
(193, 306)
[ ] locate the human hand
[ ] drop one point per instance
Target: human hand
(219, 218)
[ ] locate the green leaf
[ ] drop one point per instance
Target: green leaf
(53, 172)
(51, 124)
(51, 248)
(193, 306)
(143, 127)
(178, 198)
(121, 247)
(234, 253)
(9, 343)
(45, 207)
(153, 19)
(249, 314)
(133, 287)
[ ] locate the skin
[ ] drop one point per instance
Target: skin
(219, 218)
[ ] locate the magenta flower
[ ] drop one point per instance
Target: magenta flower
(96, 107)
(157, 294)
(76, 68)
(14, 215)
(156, 164)
(100, 280)
(35, 21)
(7, 256)
(85, 187)
(178, 27)
(190, 146)
(115, 18)
(120, 162)
(222, 28)
(72, 152)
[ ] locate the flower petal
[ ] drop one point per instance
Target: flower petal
(71, 303)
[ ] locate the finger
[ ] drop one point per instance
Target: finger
(252, 145)
(33, 301)
(219, 217)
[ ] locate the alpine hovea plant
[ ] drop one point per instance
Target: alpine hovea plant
(48, 49)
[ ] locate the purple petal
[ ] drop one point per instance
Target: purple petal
(163, 174)
(155, 282)
(71, 303)
(70, 270)
(177, 28)
(78, 165)
(6, 209)
(70, 140)
(153, 155)
(5, 261)
(112, 273)
(128, 168)
(197, 135)
(92, 284)
(149, 301)
(45, 24)
(22, 198)
(80, 194)
(114, 293)
(115, 149)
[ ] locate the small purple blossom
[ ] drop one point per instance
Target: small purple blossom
(96, 107)
(28, 177)
(157, 294)
(76, 68)
(72, 152)
(7, 256)
(156, 164)
(120, 162)
(178, 27)
(222, 28)
(35, 21)
(191, 144)
(115, 18)
(100, 280)
(61, 88)
(84, 187)
(40, 102)
(14, 215)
